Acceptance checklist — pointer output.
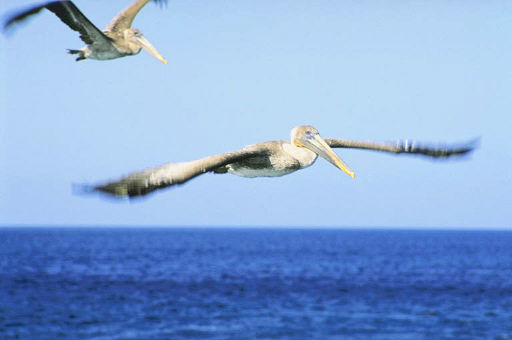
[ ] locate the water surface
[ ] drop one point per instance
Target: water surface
(138, 283)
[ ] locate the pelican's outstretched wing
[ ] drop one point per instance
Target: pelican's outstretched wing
(71, 16)
(124, 19)
(407, 147)
(144, 182)
(20, 16)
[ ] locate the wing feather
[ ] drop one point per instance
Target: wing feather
(125, 18)
(144, 182)
(407, 147)
(14, 19)
(70, 15)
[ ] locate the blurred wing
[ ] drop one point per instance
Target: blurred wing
(21, 16)
(124, 19)
(144, 182)
(408, 147)
(70, 15)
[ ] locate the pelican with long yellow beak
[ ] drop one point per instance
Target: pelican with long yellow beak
(117, 39)
(268, 159)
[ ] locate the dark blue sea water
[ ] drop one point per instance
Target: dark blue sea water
(90, 283)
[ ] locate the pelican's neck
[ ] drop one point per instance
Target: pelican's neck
(304, 156)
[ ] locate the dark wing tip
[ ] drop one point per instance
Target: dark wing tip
(134, 186)
(84, 189)
(13, 18)
(474, 143)
(161, 3)
(445, 151)
(470, 146)
(463, 149)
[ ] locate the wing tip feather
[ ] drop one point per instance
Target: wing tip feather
(108, 190)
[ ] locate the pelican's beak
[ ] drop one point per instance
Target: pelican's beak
(148, 47)
(316, 144)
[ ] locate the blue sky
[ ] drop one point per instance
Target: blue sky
(243, 72)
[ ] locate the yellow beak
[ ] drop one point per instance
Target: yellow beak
(322, 149)
(150, 48)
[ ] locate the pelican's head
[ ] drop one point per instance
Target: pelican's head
(135, 36)
(308, 137)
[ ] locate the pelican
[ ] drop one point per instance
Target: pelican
(117, 39)
(267, 159)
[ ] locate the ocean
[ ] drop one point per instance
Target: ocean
(233, 283)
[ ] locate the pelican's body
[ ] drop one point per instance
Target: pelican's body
(122, 44)
(117, 40)
(268, 159)
(282, 158)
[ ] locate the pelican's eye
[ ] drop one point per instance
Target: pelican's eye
(309, 133)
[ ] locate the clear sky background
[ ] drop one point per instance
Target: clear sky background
(242, 72)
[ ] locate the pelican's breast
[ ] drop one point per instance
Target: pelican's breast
(117, 47)
(283, 158)
(303, 156)
(123, 44)
(127, 47)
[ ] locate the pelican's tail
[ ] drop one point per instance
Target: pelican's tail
(80, 53)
